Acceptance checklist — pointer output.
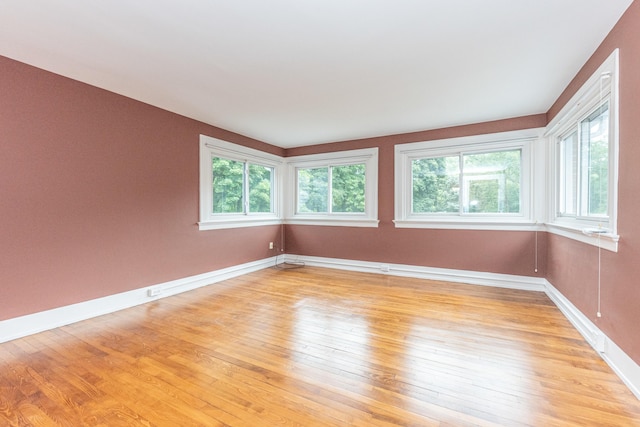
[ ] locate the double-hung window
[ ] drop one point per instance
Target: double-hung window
(239, 186)
(466, 183)
(483, 181)
(337, 188)
(583, 146)
(583, 167)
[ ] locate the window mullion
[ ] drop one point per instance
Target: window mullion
(461, 191)
(245, 188)
(330, 189)
(561, 179)
(580, 173)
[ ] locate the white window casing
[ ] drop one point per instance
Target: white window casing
(539, 207)
(212, 147)
(523, 140)
(599, 230)
(368, 218)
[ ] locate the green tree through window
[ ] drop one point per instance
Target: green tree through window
(228, 178)
(347, 186)
(595, 146)
(347, 192)
(313, 190)
(436, 184)
(230, 188)
(492, 182)
(487, 183)
(260, 188)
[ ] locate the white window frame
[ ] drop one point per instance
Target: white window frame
(369, 218)
(212, 147)
(405, 154)
(600, 87)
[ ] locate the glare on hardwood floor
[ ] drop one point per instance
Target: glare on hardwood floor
(317, 347)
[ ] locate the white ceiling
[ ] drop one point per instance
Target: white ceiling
(300, 72)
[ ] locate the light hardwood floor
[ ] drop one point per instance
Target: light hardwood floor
(317, 347)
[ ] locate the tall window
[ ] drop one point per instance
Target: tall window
(584, 148)
(338, 188)
(239, 186)
(584, 167)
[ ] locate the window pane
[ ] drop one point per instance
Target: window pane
(227, 185)
(491, 182)
(568, 191)
(260, 188)
(313, 190)
(347, 188)
(595, 162)
(436, 185)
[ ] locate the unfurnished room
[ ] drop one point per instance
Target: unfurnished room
(319, 213)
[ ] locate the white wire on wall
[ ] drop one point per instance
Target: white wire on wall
(598, 232)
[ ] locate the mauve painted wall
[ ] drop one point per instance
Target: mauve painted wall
(511, 252)
(572, 266)
(99, 195)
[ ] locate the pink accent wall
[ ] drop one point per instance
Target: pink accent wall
(99, 195)
(506, 252)
(572, 265)
(488, 251)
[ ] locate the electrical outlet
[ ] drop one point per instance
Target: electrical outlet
(270, 245)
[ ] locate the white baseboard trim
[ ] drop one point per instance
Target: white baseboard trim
(459, 276)
(22, 326)
(586, 327)
(625, 367)
(614, 356)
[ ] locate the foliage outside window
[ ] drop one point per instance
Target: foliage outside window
(238, 186)
(583, 150)
(313, 190)
(584, 167)
(338, 188)
(260, 181)
(233, 182)
(348, 188)
(335, 189)
(482, 182)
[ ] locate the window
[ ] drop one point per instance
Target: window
(333, 189)
(238, 185)
(471, 182)
(482, 183)
(584, 153)
(337, 188)
(241, 187)
(583, 173)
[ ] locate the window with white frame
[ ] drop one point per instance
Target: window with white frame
(583, 146)
(338, 188)
(239, 186)
(483, 181)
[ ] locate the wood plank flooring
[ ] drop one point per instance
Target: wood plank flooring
(317, 347)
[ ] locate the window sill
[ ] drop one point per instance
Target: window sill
(238, 223)
(589, 235)
(334, 222)
(468, 224)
